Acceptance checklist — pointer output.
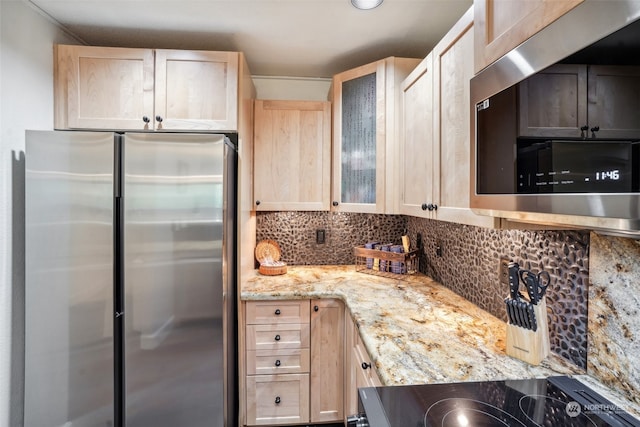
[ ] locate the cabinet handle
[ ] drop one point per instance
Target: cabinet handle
(257, 202)
(316, 308)
(583, 131)
(594, 130)
(278, 312)
(159, 119)
(366, 365)
(146, 119)
(335, 203)
(278, 400)
(277, 337)
(277, 363)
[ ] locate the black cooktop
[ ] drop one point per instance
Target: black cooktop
(554, 402)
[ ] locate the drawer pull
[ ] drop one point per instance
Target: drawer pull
(366, 365)
(277, 337)
(278, 312)
(277, 363)
(278, 400)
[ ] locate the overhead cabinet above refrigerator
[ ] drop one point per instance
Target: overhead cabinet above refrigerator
(146, 89)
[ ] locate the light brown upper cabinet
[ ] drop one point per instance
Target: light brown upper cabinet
(145, 89)
(292, 155)
(366, 133)
(417, 142)
(501, 25)
(581, 101)
(436, 171)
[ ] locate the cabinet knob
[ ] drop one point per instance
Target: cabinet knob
(583, 131)
(424, 206)
(432, 207)
(146, 119)
(335, 203)
(159, 119)
(257, 202)
(594, 130)
(278, 312)
(277, 338)
(277, 363)
(366, 365)
(316, 308)
(278, 400)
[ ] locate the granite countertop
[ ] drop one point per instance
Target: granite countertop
(416, 331)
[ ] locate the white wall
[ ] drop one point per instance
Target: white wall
(292, 88)
(26, 102)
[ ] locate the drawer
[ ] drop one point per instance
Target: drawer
(270, 362)
(278, 399)
(277, 337)
(277, 312)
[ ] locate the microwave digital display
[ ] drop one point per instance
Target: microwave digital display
(576, 167)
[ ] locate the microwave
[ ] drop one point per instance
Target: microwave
(545, 149)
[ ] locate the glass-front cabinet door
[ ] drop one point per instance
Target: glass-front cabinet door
(359, 139)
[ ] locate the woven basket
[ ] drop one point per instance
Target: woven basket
(268, 255)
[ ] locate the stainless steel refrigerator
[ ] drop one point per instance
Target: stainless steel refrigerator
(130, 298)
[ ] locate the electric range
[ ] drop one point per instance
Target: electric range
(554, 402)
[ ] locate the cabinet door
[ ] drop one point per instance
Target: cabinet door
(277, 399)
(366, 375)
(359, 139)
(196, 90)
(501, 25)
(453, 70)
(103, 87)
(327, 360)
(614, 101)
(553, 102)
(417, 142)
(292, 163)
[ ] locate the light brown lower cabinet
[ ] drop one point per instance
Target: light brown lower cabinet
(294, 362)
(360, 370)
(277, 399)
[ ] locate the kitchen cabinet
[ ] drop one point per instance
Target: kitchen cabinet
(436, 162)
(294, 361)
(277, 362)
(501, 25)
(580, 101)
(146, 89)
(366, 131)
(327, 360)
(360, 371)
(292, 163)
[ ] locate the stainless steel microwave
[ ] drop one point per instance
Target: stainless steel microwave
(528, 164)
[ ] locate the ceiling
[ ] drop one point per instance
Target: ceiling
(293, 38)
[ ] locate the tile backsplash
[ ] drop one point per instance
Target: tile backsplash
(462, 258)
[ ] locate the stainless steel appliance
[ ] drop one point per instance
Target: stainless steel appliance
(556, 401)
(599, 36)
(130, 300)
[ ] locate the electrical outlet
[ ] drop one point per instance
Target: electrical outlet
(503, 271)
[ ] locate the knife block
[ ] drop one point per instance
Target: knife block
(527, 345)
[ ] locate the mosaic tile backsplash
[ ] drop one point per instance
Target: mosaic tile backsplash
(461, 257)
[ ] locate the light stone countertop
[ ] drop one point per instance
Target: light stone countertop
(417, 331)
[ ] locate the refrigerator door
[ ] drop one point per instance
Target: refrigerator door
(173, 253)
(69, 275)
